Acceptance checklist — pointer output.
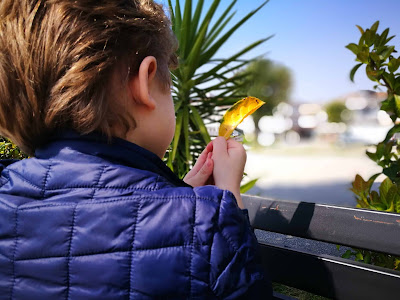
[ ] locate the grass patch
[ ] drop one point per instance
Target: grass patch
(295, 293)
(312, 149)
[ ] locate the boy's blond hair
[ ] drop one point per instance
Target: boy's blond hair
(57, 57)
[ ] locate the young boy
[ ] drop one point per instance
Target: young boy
(95, 214)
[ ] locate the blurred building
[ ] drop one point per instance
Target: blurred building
(292, 123)
(367, 123)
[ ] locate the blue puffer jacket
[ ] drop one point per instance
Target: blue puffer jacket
(89, 220)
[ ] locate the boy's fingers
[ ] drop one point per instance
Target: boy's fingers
(201, 177)
(209, 147)
(207, 168)
(201, 160)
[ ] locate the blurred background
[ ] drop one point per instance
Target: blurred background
(312, 151)
(310, 145)
(309, 140)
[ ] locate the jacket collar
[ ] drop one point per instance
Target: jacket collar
(115, 150)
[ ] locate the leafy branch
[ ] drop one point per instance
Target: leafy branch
(381, 66)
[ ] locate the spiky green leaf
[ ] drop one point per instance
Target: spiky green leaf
(217, 45)
(220, 24)
(185, 28)
(178, 129)
(246, 187)
(211, 38)
(171, 11)
(185, 129)
(210, 14)
(200, 124)
(209, 73)
(178, 20)
(195, 20)
(194, 56)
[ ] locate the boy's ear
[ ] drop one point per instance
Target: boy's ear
(140, 84)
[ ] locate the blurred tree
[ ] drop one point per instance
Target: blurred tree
(268, 81)
(335, 110)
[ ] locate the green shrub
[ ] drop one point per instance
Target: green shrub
(381, 66)
(10, 151)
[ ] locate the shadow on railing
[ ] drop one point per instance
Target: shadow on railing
(328, 276)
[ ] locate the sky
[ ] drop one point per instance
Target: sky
(310, 38)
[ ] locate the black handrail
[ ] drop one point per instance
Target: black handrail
(359, 228)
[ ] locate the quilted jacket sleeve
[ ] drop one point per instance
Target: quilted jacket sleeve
(235, 268)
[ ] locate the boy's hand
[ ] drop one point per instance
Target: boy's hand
(229, 159)
(201, 173)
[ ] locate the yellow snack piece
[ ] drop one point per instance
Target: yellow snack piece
(237, 113)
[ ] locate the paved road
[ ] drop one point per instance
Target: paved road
(314, 177)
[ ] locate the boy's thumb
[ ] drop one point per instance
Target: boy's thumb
(219, 146)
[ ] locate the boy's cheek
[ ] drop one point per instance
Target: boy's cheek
(173, 126)
(172, 122)
(172, 130)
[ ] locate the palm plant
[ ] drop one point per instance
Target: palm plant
(203, 85)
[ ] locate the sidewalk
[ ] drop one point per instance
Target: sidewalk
(310, 172)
